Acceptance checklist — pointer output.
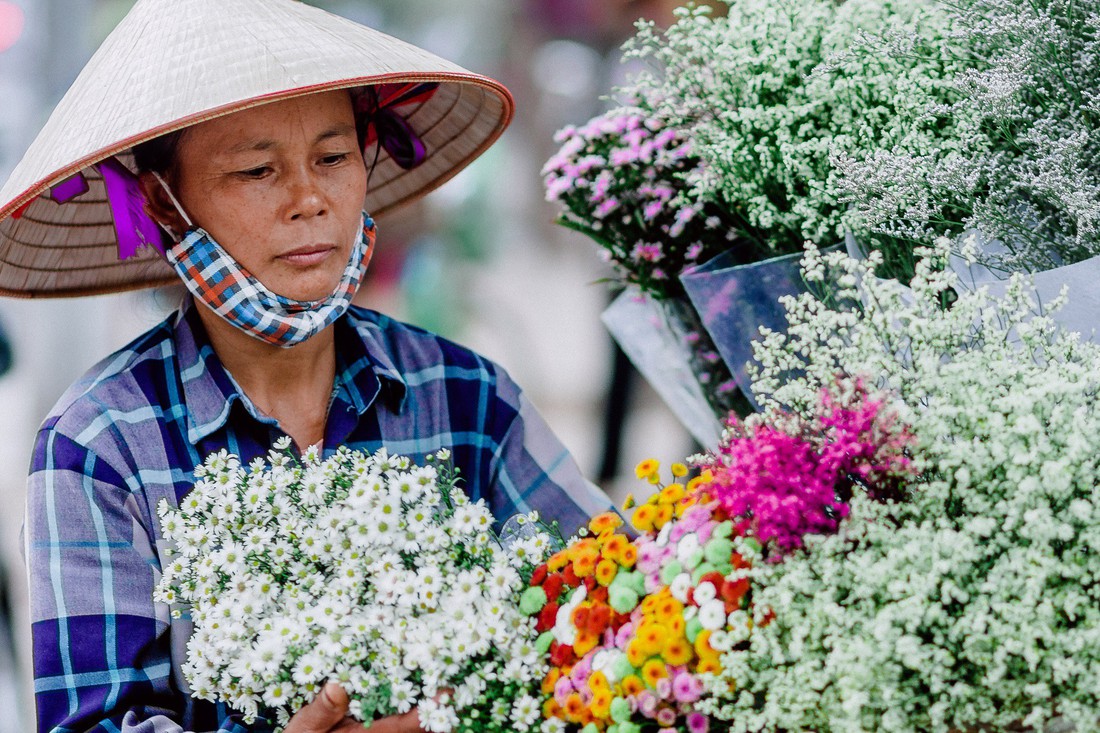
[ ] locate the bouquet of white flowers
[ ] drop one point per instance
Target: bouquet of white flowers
(974, 604)
(363, 569)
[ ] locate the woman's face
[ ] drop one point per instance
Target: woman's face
(280, 187)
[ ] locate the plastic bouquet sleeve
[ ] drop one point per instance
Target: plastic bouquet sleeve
(655, 343)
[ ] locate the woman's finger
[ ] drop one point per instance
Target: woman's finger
(406, 723)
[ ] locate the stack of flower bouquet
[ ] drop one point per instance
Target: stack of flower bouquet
(761, 125)
(906, 539)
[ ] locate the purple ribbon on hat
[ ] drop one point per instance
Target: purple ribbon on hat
(134, 228)
(384, 125)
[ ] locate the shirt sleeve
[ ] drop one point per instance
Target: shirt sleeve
(101, 649)
(532, 470)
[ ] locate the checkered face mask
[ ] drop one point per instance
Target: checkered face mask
(220, 282)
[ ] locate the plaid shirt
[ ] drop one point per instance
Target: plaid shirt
(106, 657)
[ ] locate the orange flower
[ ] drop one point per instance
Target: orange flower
(585, 554)
(586, 642)
(701, 480)
(574, 708)
(558, 561)
(606, 522)
(551, 709)
(654, 670)
(613, 547)
(550, 680)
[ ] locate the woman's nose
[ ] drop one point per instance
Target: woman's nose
(307, 198)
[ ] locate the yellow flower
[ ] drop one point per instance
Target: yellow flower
(630, 502)
(613, 547)
(677, 652)
(600, 706)
(664, 514)
(666, 607)
(652, 637)
(653, 671)
(647, 468)
(636, 653)
(643, 517)
(605, 572)
(632, 684)
(679, 470)
(598, 681)
(672, 493)
(709, 666)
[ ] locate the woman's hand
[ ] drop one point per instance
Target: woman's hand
(328, 713)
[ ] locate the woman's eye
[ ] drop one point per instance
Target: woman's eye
(259, 172)
(334, 158)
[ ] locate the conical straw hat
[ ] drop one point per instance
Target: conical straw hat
(172, 63)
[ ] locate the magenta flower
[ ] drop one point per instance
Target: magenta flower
(666, 717)
(686, 687)
(791, 476)
(697, 723)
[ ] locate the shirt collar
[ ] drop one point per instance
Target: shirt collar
(364, 371)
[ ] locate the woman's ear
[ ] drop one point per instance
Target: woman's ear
(159, 206)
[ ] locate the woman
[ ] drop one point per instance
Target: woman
(255, 169)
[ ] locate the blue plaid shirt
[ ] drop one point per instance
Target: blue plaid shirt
(106, 657)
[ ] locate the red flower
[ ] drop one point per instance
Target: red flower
(561, 654)
(599, 618)
(570, 577)
(732, 591)
(553, 586)
(539, 575)
(548, 616)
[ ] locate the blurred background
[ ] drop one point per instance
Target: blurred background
(479, 260)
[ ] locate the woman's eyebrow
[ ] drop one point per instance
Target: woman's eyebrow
(265, 144)
(341, 130)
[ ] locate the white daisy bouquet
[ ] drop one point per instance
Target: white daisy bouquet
(364, 569)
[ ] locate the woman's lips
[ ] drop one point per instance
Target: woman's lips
(309, 255)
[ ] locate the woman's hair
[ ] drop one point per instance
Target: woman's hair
(159, 154)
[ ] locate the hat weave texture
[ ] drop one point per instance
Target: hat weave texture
(172, 63)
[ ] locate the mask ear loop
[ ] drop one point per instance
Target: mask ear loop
(176, 203)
